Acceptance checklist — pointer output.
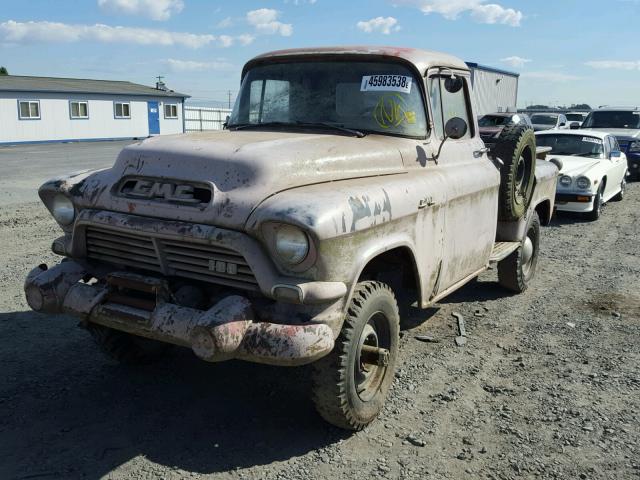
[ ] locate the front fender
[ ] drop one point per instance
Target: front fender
(349, 221)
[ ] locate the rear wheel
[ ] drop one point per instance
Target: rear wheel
(126, 348)
(350, 385)
(623, 186)
(516, 147)
(517, 270)
(594, 214)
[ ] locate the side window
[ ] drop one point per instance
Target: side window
(614, 144)
(455, 103)
(436, 106)
(269, 101)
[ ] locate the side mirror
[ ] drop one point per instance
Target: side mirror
(562, 124)
(453, 84)
(574, 125)
(455, 128)
(616, 154)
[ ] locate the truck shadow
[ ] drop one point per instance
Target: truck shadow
(68, 412)
(567, 218)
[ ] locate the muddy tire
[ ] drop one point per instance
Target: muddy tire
(126, 348)
(516, 147)
(516, 272)
(348, 391)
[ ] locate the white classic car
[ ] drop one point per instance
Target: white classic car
(593, 170)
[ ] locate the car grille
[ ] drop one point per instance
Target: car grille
(204, 262)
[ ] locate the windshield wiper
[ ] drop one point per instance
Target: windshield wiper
(333, 126)
(240, 126)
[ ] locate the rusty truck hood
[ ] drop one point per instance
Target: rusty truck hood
(242, 168)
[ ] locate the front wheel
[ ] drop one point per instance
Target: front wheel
(594, 214)
(351, 384)
(517, 270)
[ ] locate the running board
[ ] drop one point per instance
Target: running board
(502, 250)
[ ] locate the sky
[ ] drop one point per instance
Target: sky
(567, 51)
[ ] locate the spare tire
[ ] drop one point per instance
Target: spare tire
(516, 147)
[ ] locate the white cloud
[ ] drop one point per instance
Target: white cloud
(225, 23)
(154, 9)
(516, 61)
(614, 64)
(265, 20)
(549, 76)
(246, 39)
(384, 25)
(49, 32)
(193, 66)
(481, 11)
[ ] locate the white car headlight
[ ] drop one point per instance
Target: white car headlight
(634, 146)
(583, 183)
(63, 210)
(565, 180)
(292, 244)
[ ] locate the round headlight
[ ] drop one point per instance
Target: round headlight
(292, 244)
(565, 180)
(583, 183)
(62, 210)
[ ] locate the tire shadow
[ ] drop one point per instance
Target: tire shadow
(67, 412)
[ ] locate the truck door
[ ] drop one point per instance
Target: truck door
(471, 179)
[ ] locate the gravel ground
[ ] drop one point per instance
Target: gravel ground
(547, 386)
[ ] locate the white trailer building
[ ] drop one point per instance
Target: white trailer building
(495, 90)
(44, 109)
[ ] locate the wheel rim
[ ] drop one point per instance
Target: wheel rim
(527, 253)
(523, 172)
(368, 377)
(623, 187)
(520, 179)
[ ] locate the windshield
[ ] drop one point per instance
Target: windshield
(575, 117)
(366, 96)
(575, 145)
(544, 119)
(493, 121)
(612, 119)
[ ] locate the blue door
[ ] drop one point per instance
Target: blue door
(154, 118)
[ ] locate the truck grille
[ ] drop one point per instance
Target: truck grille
(204, 262)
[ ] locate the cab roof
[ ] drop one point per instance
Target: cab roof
(422, 60)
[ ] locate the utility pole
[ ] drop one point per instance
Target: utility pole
(229, 93)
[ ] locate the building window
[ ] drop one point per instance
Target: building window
(29, 109)
(170, 110)
(122, 110)
(79, 109)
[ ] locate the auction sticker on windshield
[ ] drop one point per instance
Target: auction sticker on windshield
(386, 83)
(592, 140)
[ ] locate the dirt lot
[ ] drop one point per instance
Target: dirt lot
(548, 385)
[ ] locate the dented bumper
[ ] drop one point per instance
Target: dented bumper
(227, 330)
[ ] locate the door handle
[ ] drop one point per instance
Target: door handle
(426, 202)
(481, 152)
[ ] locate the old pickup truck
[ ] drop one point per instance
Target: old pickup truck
(348, 184)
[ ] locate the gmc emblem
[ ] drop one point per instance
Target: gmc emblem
(167, 191)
